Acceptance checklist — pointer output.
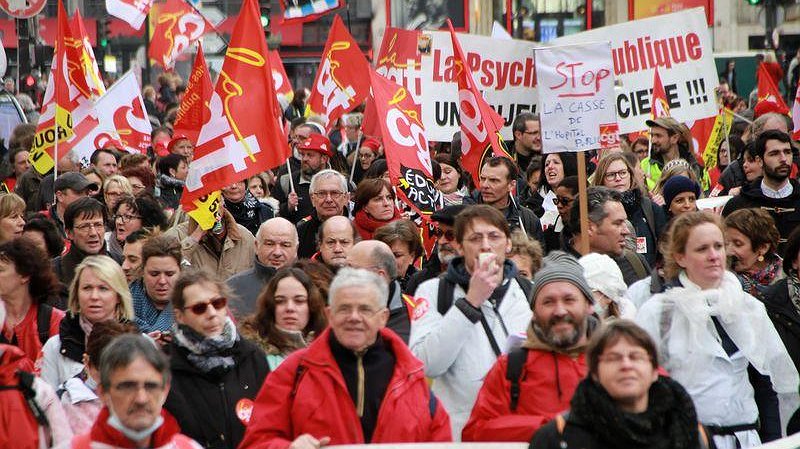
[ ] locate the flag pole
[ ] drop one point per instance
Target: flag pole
(355, 156)
(291, 181)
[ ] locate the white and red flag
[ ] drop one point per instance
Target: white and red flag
(193, 112)
(341, 83)
(242, 136)
(480, 124)
(134, 12)
(176, 27)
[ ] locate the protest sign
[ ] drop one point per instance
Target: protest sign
(576, 92)
(679, 45)
(424, 64)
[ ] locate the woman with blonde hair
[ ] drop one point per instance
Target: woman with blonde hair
(99, 292)
(113, 188)
(12, 213)
(717, 340)
(677, 167)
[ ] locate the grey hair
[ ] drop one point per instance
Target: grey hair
(520, 120)
(597, 197)
(325, 174)
(383, 257)
(124, 349)
(357, 277)
(757, 127)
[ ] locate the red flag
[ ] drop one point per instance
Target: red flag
(242, 135)
(131, 11)
(193, 113)
(405, 144)
(480, 124)
(88, 62)
(660, 106)
(796, 115)
(768, 92)
(340, 85)
(283, 87)
(66, 92)
(176, 27)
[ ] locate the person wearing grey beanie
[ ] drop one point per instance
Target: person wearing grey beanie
(560, 266)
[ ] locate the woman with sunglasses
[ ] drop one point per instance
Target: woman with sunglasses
(553, 221)
(215, 373)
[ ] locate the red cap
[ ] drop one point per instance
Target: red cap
(765, 107)
(175, 139)
(318, 143)
(371, 143)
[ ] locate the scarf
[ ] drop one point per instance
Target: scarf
(367, 225)
(669, 422)
(210, 355)
(455, 198)
(755, 281)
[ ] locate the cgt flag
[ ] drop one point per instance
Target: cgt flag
(88, 62)
(193, 112)
(768, 92)
(66, 98)
(480, 124)
(283, 87)
(242, 136)
(340, 85)
(405, 145)
(131, 11)
(176, 26)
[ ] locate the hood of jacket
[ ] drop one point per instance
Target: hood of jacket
(12, 359)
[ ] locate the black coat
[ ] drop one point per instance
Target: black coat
(206, 407)
(784, 317)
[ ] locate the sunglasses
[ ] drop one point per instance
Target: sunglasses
(200, 308)
(449, 234)
(562, 200)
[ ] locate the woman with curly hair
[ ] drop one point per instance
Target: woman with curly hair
(131, 214)
(290, 313)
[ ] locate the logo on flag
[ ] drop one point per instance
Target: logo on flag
(192, 112)
(176, 26)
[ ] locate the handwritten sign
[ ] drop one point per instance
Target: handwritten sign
(576, 97)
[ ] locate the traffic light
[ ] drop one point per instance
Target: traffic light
(103, 32)
(754, 2)
(265, 15)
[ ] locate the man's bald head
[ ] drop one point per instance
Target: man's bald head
(276, 243)
(375, 256)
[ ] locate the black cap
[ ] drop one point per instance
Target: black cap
(447, 215)
(73, 180)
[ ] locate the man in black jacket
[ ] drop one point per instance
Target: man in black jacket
(498, 182)
(293, 188)
(774, 192)
(328, 192)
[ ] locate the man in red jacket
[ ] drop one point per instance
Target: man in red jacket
(357, 382)
(552, 361)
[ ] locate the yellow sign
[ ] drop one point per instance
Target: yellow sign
(207, 210)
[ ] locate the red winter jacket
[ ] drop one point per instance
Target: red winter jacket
(547, 383)
(18, 427)
(317, 402)
(103, 436)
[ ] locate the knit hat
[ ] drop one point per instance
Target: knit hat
(603, 275)
(560, 266)
(677, 185)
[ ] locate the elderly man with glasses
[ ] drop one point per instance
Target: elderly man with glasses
(357, 383)
(330, 197)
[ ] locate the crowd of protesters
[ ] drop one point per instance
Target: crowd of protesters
(313, 313)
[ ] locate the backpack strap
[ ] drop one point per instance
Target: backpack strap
(432, 402)
(516, 360)
(649, 216)
(526, 286)
(636, 263)
(26, 380)
(445, 295)
(701, 430)
(43, 315)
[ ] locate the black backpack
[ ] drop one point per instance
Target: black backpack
(43, 315)
(516, 360)
(25, 386)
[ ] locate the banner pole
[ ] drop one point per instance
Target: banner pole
(289, 172)
(583, 202)
(355, 156)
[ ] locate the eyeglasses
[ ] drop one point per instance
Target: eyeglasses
(201, 307)
(562, 200)
(86, 227)
(334, 194)
(125, 218)
(616, 358)
(362, 311)
(622, 174)
(448, 234)
(130, 387)
(478, 238)
(530, 132)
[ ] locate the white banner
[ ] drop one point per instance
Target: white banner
(502, 69)
(679, 44)
(119, 117)
(576, 97)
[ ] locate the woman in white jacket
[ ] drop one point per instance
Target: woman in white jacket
(717, 340)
